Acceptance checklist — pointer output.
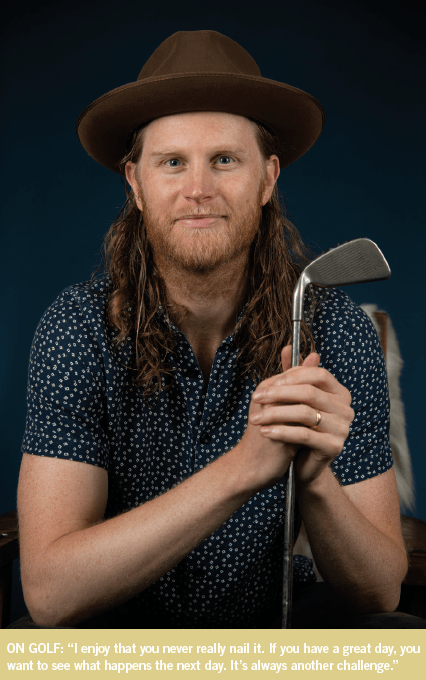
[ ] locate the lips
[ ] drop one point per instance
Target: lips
(198, 221)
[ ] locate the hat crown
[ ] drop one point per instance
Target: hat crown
(199, 52)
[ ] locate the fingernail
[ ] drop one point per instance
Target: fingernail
(258, 395)
(266, 429)
(256, 418)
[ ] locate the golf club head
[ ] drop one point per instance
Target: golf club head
(356, 261)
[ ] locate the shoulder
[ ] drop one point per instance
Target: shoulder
(89, 296)
(348, 344)
(341, 327)
(80, 303)
(74, 327)
(349, 347)
(336, 309)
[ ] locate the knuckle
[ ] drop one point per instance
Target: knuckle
(348, 414)
(306, 413)
(305, 435)
(345, 433)
(341, 431)
(265, 383)
(324, 375)
(335, 447)
(310, 393)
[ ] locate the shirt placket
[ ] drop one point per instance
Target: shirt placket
(204, 419)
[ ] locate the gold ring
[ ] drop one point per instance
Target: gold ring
(317, 421)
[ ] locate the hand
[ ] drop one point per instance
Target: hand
(264, 460)
(289, 403)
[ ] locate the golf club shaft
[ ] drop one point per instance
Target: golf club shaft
(289, 509)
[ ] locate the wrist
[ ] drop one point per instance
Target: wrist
(324, 486)
(253, 466)
(239, 474)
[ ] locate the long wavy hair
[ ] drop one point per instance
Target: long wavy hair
(277, 256)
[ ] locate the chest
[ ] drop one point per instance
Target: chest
(156, 444)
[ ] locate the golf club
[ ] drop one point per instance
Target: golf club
(356, 261)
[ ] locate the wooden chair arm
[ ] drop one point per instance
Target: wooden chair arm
(414, 535)
(9, 550)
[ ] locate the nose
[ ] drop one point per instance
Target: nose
(199, 185)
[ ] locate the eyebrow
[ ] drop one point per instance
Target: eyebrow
(215, 152)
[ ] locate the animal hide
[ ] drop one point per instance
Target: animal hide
(397, 432)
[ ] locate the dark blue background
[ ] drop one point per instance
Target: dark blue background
(364, 61)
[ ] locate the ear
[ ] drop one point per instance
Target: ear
(130, 171)
(272, 173)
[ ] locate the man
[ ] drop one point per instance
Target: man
(163, 414)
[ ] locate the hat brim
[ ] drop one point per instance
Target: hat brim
(296, 117)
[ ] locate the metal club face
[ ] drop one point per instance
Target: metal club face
(356, 261)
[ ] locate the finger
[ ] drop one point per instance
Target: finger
(327, 445)
(310, 395)
(286, 356)
(286, 365)
(294, 414)
(312, 375)
(300, 414)
(274, 421)
(277, 379)
(312, 359)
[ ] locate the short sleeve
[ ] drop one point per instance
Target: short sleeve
(348, 345)
(66, 387)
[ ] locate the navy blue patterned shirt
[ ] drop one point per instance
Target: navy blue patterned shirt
(83, 406)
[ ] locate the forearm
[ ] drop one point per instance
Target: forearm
(87, 571)
(361, 562)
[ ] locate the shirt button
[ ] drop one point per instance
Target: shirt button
(205, 438)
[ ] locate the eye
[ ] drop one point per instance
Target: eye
(225, 160)
(173, 162)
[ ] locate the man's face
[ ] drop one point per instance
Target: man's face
(200, 183)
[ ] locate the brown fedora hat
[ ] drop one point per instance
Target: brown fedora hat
(199, 71)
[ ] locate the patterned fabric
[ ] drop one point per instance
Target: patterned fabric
(83, 406)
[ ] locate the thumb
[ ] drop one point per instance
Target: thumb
(312, 360)
(286, 358)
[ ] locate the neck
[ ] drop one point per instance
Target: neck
(205, 306)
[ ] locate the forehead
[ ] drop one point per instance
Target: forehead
(201, 127)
